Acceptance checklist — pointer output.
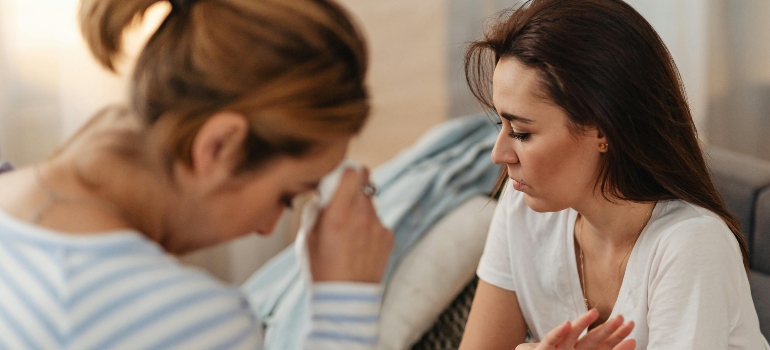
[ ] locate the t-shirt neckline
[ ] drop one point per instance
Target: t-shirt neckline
(17, 229)
(572, 271)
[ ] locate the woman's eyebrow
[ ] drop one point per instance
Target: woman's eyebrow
(512, 117)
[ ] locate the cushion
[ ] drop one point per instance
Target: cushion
(448, 330)
(433, 273)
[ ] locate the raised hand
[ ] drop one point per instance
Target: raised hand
(349, 243)
(608, 336)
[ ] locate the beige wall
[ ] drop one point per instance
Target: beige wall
(407, 76)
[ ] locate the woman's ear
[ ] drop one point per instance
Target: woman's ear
(601, 141)
(218, 147)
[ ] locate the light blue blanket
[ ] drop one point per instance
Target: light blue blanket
(446, 166)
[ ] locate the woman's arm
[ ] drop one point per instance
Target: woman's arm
(495, 320)
(348, 251)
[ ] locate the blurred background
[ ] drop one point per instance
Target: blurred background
(50, 85)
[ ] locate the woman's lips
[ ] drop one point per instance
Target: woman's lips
(517, 185)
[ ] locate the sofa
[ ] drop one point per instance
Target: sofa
(744, 184)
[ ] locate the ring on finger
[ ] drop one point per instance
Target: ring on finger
(369, 189)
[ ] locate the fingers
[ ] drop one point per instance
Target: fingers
(349, 204)
(628, 344)
(608, 336)
(594, 338)
(349, 243)
(580, 324)
(567, 334)
(617, 337)
(555, 337)
(348, 188)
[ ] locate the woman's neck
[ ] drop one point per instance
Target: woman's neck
(613, 225)
(108, 161)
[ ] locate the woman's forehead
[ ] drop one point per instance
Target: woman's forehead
(517, 90)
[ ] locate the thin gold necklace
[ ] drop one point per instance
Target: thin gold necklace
(52, 197)
(620, 267)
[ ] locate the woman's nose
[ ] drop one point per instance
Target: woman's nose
(270, 222)
(503, 152)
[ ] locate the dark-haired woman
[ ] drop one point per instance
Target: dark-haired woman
(236, 107)
(608, 216)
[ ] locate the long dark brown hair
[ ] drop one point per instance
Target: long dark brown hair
(604, 64)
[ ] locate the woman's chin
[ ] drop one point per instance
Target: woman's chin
(541, 206)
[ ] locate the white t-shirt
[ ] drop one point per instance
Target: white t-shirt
(685, 286)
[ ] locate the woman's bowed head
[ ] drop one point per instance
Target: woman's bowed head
(237, 119)
(235, 107)
(606, 172)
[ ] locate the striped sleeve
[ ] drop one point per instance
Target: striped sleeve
(113, 291)
(159, 307)
(344, 316)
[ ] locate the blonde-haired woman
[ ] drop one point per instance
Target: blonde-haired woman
(236, 107)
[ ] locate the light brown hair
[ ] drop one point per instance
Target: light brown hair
(604, 64)
(294, 68)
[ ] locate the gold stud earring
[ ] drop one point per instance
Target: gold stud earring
(603, 146)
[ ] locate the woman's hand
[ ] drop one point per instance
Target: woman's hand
(349, 243)
(608, 336)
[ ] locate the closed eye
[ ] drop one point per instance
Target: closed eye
(287, 200)
(521, 136)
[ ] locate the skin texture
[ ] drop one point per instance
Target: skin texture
(202, 204)
(495, 320)
(608, 336)
(556, 166)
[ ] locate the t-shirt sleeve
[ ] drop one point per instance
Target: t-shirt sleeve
(695, 286)
(495, 264)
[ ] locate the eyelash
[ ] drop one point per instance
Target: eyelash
(521, 136)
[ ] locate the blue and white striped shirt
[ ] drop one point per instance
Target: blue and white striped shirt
(119, 290)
